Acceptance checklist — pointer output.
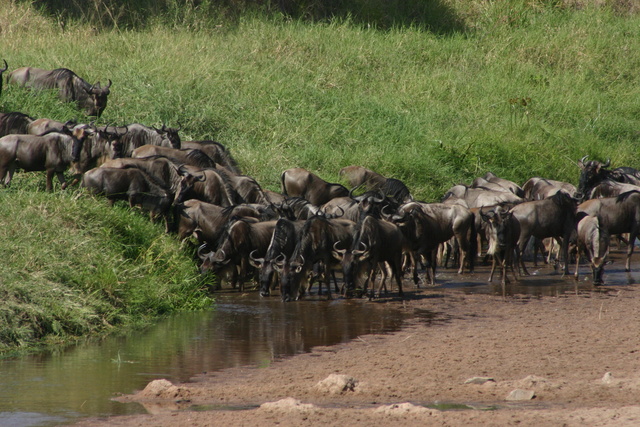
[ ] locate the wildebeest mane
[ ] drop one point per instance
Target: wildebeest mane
(624, 196)
(14, 123)
(200, 159)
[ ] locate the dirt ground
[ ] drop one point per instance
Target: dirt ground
(578, 355)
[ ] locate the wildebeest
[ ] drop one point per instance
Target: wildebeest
(478, 197)
(53, 153)
(206, 221)
(537, 188)
(133, 185)
(211, 187)
(14, 123)
(594, 172)
(505, 183)
(302, 183)
(552, 217)
(181, 156)
(44, 125)
(92, 99)
(376, 242)
(317, 238)
(283, 243)
(593, 241)
(137, 135)
(176, 179)
(617, 215)
(358, 176)
(427, 225)
(217, 152)
(238, 241)
(2, 70)
(503, 233)
(610, 188)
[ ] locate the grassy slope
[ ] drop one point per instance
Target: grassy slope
(431, 109)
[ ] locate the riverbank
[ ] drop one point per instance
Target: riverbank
(578, 354)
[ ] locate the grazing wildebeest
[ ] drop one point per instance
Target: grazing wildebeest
(71, 88)
(14, 123)
(551, 217)
(503, 232)
(206, 221)
(376, 242)
(212, 187)
(217, 152)
(297, 208)
(593, 241)
(478, 197)
(283, 243)
(617, 215)
(427, 225)
(53, 153)
(302, 183)
(137, 135)
(133, 185)
(239, 239)
(594, 172)
(186, 156)
(247, 189)
(537, 188)
(176, 179)
(315, 245)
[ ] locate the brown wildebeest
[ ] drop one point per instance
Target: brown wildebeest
(375, 242)
(617, 215)
(537, 188)
(53, 153)
(217, 152)
(478, 197)
(593, 241)
(171, 176)
(71, 88)
(186, 156)
(427, 225)
(505, 183)
(610, 188)
(136, 135)
(358, 176)
(132, 185)
(14, 123)
(594, 172)
(302, 183)
(552, 217)
(240, 238)
(503, 233)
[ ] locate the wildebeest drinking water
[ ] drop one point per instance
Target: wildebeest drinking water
(92, 99)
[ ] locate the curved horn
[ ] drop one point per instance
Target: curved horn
(354, 189)
(201, 254)
(360, 252)
(607, 163)
(254, 259)
(384, 214)
(5, 66)
(380, 199)
(109, 85)
(581, 162)
(340, 251)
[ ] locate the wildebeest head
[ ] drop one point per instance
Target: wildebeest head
(498, 221)
(351, 260)
(171, 134)
(96, 100)
(291, 272)
(593, 172)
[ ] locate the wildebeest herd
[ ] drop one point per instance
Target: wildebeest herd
(313, 231)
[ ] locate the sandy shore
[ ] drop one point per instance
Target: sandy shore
(577, 355)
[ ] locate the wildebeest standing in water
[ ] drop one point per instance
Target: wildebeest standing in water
(91, 98)
(2, 70)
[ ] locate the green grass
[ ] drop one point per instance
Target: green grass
(434, 101)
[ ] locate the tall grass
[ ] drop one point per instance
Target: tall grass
(520, 88)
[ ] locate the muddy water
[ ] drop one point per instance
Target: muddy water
(242, 330)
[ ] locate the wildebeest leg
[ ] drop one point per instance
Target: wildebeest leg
(50, 173)
(577, 262)
(632, 240)
(522, 244)
(493, 267)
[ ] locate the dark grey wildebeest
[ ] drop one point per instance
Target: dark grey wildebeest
(91, 98)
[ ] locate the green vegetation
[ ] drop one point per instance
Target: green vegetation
(435, 93)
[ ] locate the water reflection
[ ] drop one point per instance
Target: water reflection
(242, 330)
